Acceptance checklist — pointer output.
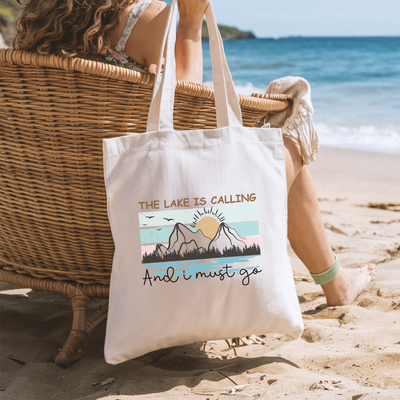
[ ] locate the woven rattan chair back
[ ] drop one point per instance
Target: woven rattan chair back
(54, 113)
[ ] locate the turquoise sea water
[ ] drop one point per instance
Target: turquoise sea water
(355, 83)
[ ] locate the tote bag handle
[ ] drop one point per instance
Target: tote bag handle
(162, 104)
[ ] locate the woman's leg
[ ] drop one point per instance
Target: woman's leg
(307, 235)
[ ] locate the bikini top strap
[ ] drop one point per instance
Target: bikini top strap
(133, 18)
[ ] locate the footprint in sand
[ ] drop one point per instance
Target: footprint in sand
(385, 206)
(334, 229)
(339, 248)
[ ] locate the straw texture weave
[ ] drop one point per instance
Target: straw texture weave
(54, 113)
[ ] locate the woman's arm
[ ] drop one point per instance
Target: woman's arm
(188, 49)
(144, 43)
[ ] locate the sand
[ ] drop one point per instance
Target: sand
(350, 352)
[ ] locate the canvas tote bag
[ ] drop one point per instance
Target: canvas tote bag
(199, 221)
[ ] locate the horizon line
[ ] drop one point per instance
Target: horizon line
(321, 36)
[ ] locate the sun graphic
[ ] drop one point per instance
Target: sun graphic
(209, 226)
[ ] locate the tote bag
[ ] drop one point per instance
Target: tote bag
(199, 221)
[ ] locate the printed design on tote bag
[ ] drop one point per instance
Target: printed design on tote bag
(197, 243)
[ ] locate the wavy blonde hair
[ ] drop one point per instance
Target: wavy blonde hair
(68, 27)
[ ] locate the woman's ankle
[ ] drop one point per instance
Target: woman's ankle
(348, 284)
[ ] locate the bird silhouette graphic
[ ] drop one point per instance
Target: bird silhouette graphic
(149, 217)
(169, 219)
(159, 229)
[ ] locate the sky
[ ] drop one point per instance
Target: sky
(281, 18)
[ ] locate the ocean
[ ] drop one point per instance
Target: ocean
(355, 83)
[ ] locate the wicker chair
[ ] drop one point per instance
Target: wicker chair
(54, 113)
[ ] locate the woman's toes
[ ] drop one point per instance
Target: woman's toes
(369, 270)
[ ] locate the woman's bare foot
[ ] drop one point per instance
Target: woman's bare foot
(348, 284)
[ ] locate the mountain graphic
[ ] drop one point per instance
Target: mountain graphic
(181, 235)
(225, 238)
(187, 245)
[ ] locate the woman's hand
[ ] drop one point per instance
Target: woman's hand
(191, 13)
(188, 49)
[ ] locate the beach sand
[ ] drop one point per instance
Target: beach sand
(350, 352)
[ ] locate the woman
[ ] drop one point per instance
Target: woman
(93, 28)
(129, 33)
